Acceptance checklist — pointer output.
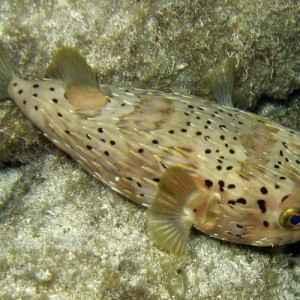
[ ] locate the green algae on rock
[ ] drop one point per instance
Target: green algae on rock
(20, 141)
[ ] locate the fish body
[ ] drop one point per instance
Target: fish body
(231, 174)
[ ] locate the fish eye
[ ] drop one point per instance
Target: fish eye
(290, 219)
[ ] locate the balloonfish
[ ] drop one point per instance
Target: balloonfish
(192, 162)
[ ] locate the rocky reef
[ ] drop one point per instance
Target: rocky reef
(63, 235)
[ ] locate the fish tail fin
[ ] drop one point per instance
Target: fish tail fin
(71, 68)
(168, 217)
(6, 74)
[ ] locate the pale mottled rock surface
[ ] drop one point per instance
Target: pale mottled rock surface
(63, 235)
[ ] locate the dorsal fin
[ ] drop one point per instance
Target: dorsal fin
(168, 220)
(71, 68)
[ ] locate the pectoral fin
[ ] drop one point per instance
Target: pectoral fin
(220, 82)
(170, 216)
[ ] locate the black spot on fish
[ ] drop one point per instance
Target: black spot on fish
(141, 150)
(89, 147)
(219, 168)
(229, 168)
(241, 201)
(88, 136)
(262, 205)
(138, 184)
(231, 186)
(222, 137)
(52, 89)
(54, 100)
(24, 102)
(208, 183)
(221, 184)
(207, 151)
(106, 153)
(277, 186)
(155, 142)
(231, 151)
(264, 190)
(198, 133)
(231, 203)
(183, 130)
(239, 226)
(156, 179)
(59, 114)
(100, 130)
(67, 132)
(171, 131)
(282, 178)
(34, 95)
(223, 127)
(284, 198)
(35, 85)
(266, 223)
(20, 92)
(36, 107)
(112, 143)
(285, 144)
(15, 84)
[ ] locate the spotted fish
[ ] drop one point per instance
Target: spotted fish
(229, 173)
